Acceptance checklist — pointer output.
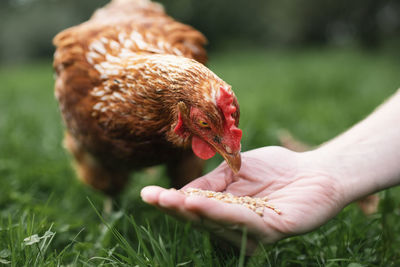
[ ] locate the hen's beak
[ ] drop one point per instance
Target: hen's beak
(234, 159)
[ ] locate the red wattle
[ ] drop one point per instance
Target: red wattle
(201, 148)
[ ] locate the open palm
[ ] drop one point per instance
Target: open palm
(306, 195)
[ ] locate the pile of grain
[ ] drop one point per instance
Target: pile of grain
(255, 204)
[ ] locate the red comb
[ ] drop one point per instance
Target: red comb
(225, 103)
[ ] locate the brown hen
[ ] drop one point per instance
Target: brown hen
(133, 92)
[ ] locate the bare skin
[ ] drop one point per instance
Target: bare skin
(309, 188)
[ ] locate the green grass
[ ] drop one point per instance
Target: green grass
(48, 218)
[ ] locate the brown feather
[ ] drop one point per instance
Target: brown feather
(120, 76)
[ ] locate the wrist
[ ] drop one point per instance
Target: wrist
(347, 169)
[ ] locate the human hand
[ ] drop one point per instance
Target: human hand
(306, 195)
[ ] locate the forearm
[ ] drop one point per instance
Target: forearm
(366, 158)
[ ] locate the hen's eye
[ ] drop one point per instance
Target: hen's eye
(203, 124)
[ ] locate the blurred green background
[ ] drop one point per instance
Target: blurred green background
(27, 26)
(311, 67)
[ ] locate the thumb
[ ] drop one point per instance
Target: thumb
(216, 180)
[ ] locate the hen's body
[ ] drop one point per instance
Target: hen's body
(118, 111)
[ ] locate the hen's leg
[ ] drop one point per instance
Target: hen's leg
(184, 169)
(92, 172)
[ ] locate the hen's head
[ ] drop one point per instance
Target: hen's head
(207, 115)
(213, 128)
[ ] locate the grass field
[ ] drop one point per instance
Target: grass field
(48, 218)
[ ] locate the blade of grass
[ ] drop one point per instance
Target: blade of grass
(243, 246)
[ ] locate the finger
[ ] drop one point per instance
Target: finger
(169, 201)
(151, 193)
(172, 202)
(217, 180)
(231, 215)
(235, 216)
